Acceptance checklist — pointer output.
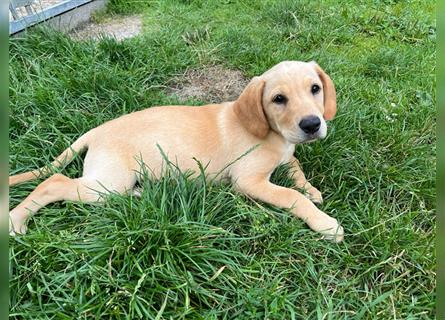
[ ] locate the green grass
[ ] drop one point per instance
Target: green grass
(189, 249)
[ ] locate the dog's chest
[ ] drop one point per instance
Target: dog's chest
(288, 152)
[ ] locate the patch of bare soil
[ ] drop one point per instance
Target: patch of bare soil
(212, 84)
(117, 27)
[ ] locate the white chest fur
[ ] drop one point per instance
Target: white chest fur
(288, 152)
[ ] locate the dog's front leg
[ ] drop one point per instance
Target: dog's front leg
(301, 183)
(262, 189)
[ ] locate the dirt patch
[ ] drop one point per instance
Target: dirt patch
(117, 27)
(212, 84)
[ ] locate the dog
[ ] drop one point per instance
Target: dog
(287, 105)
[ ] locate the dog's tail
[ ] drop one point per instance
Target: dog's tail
(63, 159)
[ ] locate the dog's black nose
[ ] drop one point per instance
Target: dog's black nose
(310, 124)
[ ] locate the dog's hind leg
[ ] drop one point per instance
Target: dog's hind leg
(57, 188)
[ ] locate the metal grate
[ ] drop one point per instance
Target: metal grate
(22, 8)
(26, 13)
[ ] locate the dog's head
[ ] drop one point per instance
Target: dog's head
(293, 98)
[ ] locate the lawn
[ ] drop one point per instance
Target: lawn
(196, 250)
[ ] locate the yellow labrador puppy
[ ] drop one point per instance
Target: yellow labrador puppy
(286, 105)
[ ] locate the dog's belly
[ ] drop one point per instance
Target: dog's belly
(158, 140)
(160, 156)
(153, 157)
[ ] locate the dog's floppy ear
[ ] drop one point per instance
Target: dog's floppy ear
(249, 108)
(330, 100)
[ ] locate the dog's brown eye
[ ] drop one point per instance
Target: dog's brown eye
(280, 99)
(315, 89)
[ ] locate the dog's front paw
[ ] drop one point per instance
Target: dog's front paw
(314, 195)
(328, 227)
(335, 234)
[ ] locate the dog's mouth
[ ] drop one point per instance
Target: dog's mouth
(311, 138)
(315, 136)
(298, 137)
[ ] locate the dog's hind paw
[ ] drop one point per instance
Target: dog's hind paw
(16, 226)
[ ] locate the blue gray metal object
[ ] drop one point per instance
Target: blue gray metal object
(21, 24)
